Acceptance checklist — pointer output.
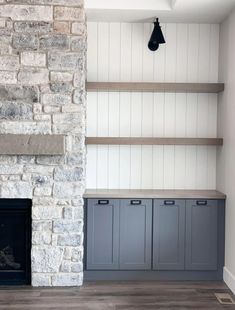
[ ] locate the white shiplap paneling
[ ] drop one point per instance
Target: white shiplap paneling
(118, 52)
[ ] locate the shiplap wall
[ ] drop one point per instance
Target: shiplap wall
(118, 52)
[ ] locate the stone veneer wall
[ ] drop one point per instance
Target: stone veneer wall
(42, 91)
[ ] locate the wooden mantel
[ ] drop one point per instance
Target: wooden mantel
(31, 144)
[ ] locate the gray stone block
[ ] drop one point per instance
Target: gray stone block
(79, 96)
(50, 2)
(61, 87)
(67, 279)
(77, 44)
(8, 77)
(46, 213)
(16, 190)
(46, 259)
(41, 238)
(9, 62)
(56, 99)
(50, 160)
(54, 41)
(65, 266)
(64, 61)
(76, 255)
(19, 94)
(66, 226)
(33, 76)
(26, 12)
(61, 76)
(68, 213)
(42, 225)
(42, 191)
(69, 239)
(69, 14)
(78, 28)
(17, 127)
(39, 279)
(67, 118)
(76, 267)
(67, 190)
(25, 41)
(33, 27)
(68, 174)
(34, 59)
(15, 111)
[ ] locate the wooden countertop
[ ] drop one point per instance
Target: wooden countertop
(152, 193)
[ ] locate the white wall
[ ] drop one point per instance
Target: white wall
(118, 52)
(226, 129)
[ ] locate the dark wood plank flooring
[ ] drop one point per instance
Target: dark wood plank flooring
(116, 296)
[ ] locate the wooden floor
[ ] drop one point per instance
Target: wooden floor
(116, 296)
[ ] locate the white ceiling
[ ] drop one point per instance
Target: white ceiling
(184, 11)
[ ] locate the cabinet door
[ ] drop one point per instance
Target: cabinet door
(168, 234)
(201, 234)
(135, 234)
(102, 234)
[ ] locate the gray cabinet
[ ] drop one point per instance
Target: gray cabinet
(131, 238)
(201, 235)
(102, 234)
(168, 234)
(135, 234)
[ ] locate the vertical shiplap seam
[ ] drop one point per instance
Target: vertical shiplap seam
(153, 111)
(152, 135)
(176, 54)
(153, 62)
(97, 105)
(186, 110)
(164, 120)
(119, 102)
(108, 146)
(198, 53)
(119, 147)
(208, 104)
(141, 125)
(131, 97)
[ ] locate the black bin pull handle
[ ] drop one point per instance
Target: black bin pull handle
(169, 202)
(201, 202)
(103, 202)
(135, 202)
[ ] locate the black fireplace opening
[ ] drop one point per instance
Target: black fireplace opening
(15, 241)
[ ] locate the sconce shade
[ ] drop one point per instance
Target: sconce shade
(156, 37)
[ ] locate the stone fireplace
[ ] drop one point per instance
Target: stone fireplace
(42, 93)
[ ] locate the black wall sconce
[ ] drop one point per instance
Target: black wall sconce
(156, 37)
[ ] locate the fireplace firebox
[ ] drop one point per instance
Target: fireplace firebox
(15, 241)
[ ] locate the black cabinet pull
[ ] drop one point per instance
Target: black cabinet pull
(169, 202)
(103, 202)
(201, 202)
(135, 202)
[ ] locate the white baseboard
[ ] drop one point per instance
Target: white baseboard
(229, 279)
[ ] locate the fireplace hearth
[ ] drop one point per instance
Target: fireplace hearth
(15, 241)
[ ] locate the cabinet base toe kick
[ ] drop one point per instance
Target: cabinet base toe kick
(154, 239)
(138, 275)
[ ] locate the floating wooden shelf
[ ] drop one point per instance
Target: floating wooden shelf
(153, 141)
(156, 87)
